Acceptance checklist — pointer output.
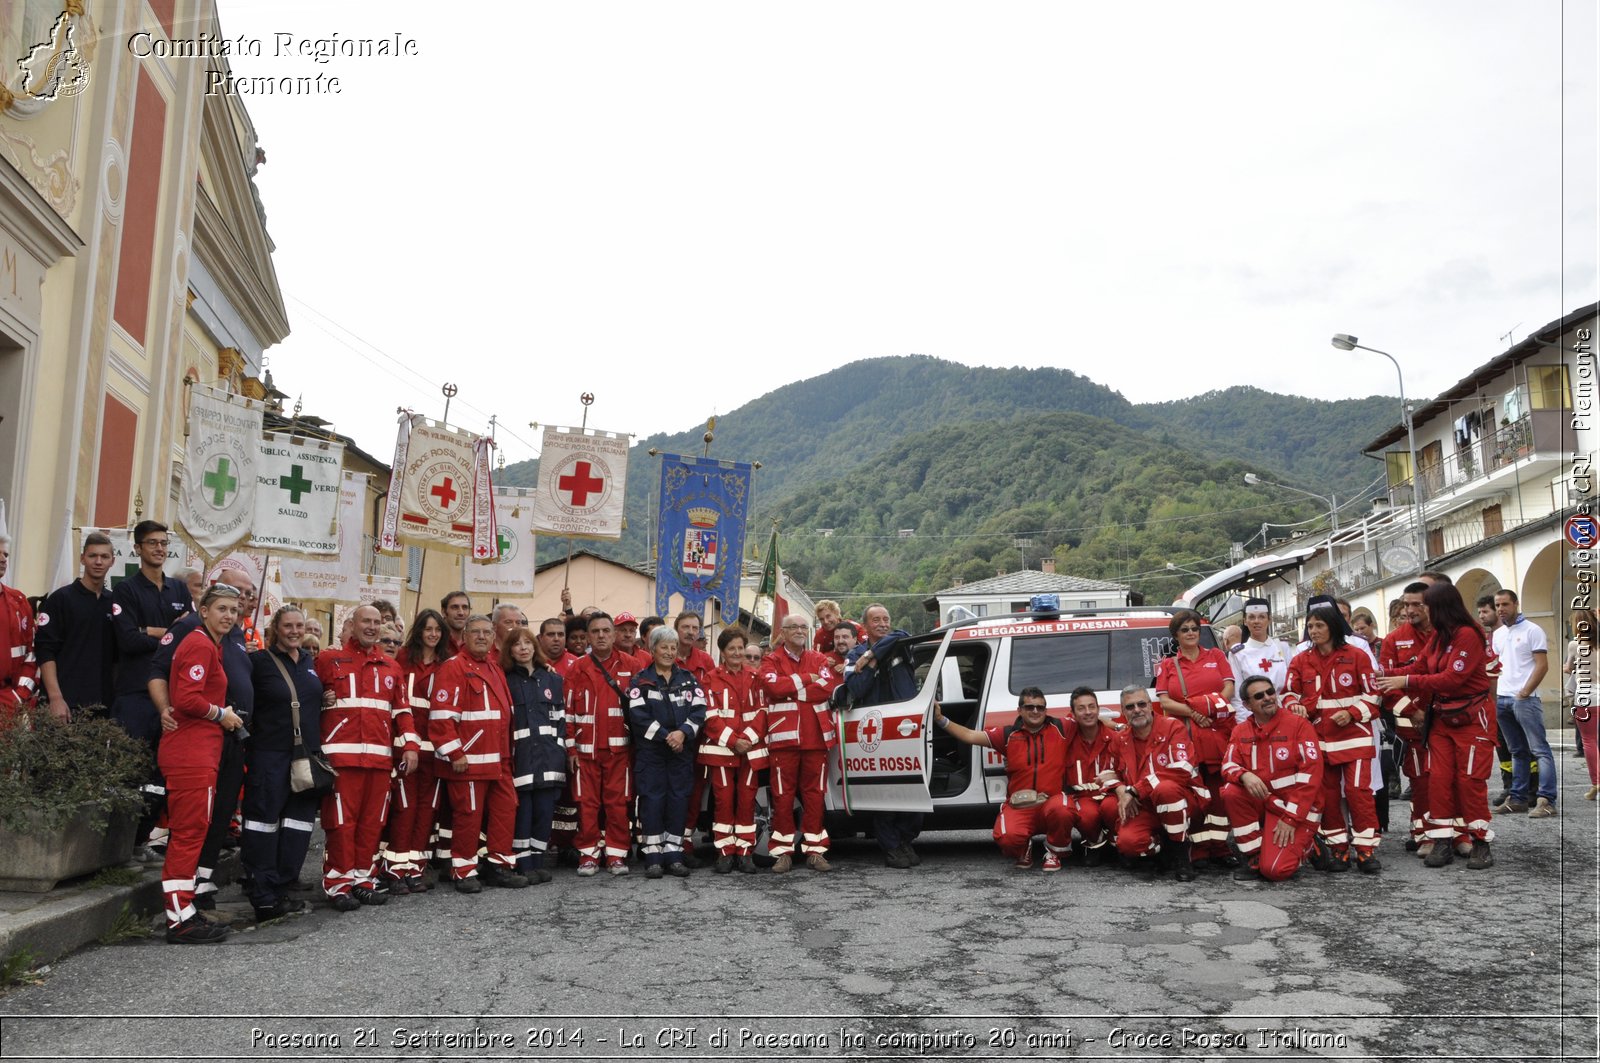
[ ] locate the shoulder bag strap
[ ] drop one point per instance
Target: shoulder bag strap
(294, 695)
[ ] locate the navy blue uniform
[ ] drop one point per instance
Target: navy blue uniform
(74, 629)
(661, 777)
(538, 758)
(277, 821)
(141, 604)
(892, 678)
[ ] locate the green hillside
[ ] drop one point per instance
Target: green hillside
(831, 430)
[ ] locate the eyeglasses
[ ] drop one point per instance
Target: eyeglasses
(1188, 628)
(1263, 695)
(390, 642)
(1035, 708)
(161, 543)
(1137, 705)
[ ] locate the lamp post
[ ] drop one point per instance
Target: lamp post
(1179, 568)
(1345, 342)
(1332, 503)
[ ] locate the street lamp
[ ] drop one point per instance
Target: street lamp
(1333, 502)
(1178, 568)
(1346, 342)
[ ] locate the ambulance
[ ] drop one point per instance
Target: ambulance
(892, 758)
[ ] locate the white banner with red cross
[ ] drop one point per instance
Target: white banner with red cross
(582, 475)
(441, 491)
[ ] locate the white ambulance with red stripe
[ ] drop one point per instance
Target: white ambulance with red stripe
(892, 758)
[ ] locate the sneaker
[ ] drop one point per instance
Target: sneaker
(1025, 860)
(1368, 863)
(747, 864)
(724, 864)
(910, 854)
(1250, 872)
(197, 931)
(343, 902)
(1481, 858)
(617, 866)
(503, 878)
(1502, 798)
(588, 866)
(1511, 805)
(277, 909)
(1542, 809)
(1441, 855)
(1052, 862)
(146, 855)
(896, 858)
(782, 864)
(470, 884)
(369, 896)
(1591, 793)
(654, 871)
(1339, 860)
(818, 862)
(678, 869)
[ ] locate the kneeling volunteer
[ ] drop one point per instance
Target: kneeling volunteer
(1273, 793)
(1035, 750)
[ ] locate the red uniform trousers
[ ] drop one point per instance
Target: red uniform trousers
(409, 804)
(353, 816)
(604, 788)
(1254, 822)
(1362, 828)
(191, 792)
(733, 806)
(1415, 765)
(1014, 828)
(1209, 829)
(1462, 759)
(1170, 806)
(472, 801)
(1093, 815)
(801, 773)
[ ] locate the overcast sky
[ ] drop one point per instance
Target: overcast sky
(680, 207)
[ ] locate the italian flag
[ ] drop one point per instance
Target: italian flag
(770, 604)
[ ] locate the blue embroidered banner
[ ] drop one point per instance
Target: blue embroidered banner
(700, 545)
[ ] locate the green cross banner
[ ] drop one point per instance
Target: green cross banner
(297, 506)
(511, 574)
(218, 498)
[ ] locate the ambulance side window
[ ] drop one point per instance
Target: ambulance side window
(1056, 664)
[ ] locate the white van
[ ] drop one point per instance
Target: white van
(893, 759)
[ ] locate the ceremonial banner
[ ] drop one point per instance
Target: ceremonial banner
(262, 572)
(511, 574)
(369, 589)
(218, 499)
(440, 492)
(701, 543)
(333, 579)
(582, 474)
(126, 560)
(771, 606)
(297, 495)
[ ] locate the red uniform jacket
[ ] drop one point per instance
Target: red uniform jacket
(1035, 760)
(1284, 755)
(698, 664)
(1398, 655)
(470, 718)
(1322, 685)
(19, 672)
(198, 689)
(419, 695)
(596, 723)
(1164, 754)
(733, 711)
(1453, 672)
(1086, 760)
(798, 716)
(1203, 678)
(370, 711)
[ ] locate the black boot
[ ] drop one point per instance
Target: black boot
(1182, 862)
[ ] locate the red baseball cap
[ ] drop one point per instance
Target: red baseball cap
(625, 618)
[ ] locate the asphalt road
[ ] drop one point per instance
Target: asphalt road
(965, 957)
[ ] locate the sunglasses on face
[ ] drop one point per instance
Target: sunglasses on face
(1262, 695)
(390, 642)
(1137, 705)
(1034, 708)
(1188, 628)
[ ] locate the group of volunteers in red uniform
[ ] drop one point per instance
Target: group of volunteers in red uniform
(1287, 782)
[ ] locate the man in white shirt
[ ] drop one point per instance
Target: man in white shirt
(1524, 659)
(1260, 654)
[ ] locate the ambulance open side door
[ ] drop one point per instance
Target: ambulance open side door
(884, 756)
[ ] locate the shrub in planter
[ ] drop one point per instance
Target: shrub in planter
(69, 796)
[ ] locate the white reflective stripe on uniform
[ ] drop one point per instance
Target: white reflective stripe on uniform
(651, 731)
(1290, 780)
(483, 758)
(481, 714)
(615, 710)
(521, 780)
(1348, 743)
(1471, 752)
(336, 729)
(1343, 703)
(25, 683)
(172, 885)
(447, 748)
(364, 703)
(783, 736)
(446, 714)
(619, 740)
(19, 651)
(1176, 806)
(520, 734)
(585, 747)
(298, 824)
(257, 825)
(547, 731)
(357, 748)
(1249, 846)
(554, 776)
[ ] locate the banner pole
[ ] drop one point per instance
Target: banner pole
(587, 399)
(261, 595)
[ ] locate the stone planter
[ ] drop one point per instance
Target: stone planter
(84, 845)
